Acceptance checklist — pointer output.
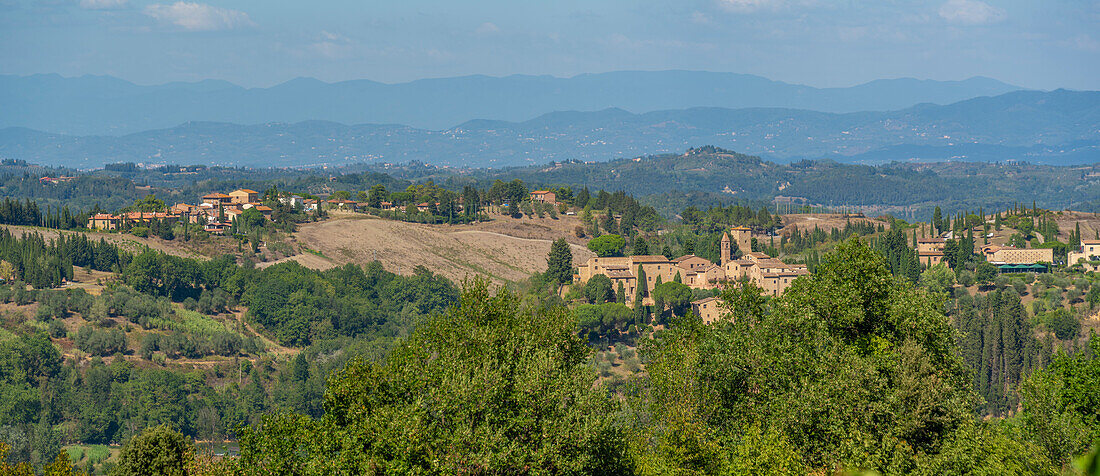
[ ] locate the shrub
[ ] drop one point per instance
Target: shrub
(102, 342)
(140, 231)
(1064, 324)
(58, 329)
(632, 364)
(966, 278)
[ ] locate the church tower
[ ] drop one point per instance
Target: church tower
(725, 249)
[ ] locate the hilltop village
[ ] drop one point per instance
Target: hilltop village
(216, 212)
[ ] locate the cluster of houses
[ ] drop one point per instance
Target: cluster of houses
(216, 213)
(1008, 258)
(770, 274)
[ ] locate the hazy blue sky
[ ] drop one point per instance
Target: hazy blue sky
(1035, 43)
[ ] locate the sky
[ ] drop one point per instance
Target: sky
(1044, 44)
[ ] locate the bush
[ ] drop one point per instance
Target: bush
(1020, 286)
(140, 231)
(101, 342)
(158, 450)
(58, 329)
(966, 278)
(633, 365)
(1064, 324)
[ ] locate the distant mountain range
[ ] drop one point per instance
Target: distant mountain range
(1058, 127)
(104, 105)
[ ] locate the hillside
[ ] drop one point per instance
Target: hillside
(504, 250)
(108, 105)
(706, 176)
(1059, 127)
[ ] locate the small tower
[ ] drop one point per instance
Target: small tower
(725, 248)
(743, 237)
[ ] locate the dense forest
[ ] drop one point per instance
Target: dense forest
(701, 177)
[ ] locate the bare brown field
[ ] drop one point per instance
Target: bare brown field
(824, 221)
(1067, 220)
(503, 250)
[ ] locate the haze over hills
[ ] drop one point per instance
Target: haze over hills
(98, 105)
(1058, 127)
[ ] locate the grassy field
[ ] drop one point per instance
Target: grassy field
(504, 250)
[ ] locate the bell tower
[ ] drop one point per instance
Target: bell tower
(725, 248)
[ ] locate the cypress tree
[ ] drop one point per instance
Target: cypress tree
(559, 263)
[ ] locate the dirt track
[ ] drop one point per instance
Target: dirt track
(456, 252)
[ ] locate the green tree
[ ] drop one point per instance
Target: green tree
(985, 272)
(673, 296)
(599, 290)
(640, 246)
(849, 368)
(156, 451)
(559, 262)
(1060, 404)
(607, 245)
(485, 388)
(377, 195)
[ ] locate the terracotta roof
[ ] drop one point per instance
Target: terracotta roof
(245, 190)
(215, 195)
(684, 258)
(931, 240)
(540, 192)
(619, 273)
(263, 208)
(705, 300)
(649, 259)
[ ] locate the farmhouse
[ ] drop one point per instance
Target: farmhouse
(244, 195)
(707, 309)
(103, 221)
(1087, 254)
(930, 251)
(216, 199)
(544, 196)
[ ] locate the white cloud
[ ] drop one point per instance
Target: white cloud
(332, 46)
(198, 16)
(748, 6)
(700, 18)
(487, 28)
(102, 4)
(971, 12)
(1085, 42)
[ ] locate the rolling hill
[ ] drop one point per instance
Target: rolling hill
(98, 105)
(1058, 127)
